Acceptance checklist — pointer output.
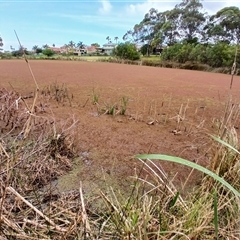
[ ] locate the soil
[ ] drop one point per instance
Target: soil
(169, 111)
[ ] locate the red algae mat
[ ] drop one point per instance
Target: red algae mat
(169, 111)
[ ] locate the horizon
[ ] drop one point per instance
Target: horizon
(59, 22)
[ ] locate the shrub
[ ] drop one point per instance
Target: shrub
(126, 51)
(48, 52)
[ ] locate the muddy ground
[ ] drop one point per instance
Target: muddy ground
(169, 111)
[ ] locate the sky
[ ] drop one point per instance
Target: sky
(89, 21)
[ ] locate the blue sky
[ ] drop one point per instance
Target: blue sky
(58, 22)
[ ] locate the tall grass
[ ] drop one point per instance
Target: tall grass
(154, 209)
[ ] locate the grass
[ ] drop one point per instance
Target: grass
(95, 97)
(58, 92)
(36, 150)
(154, 209)
(113, 108)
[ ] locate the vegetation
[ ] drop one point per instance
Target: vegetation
(36, 149)
(186, 23)
(190, 34)
(19, 53)
(214, 55)
(126, 51)
(95, 44)
(1, 43)
(48, 52)
(154, 209)
(189, 38)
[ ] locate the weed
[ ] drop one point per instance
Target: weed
(95, 97)
(110, 109)
(123, 106)
(58, 92)
(115, 108)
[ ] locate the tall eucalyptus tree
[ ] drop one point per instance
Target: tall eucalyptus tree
(191, 19)
(225, 25)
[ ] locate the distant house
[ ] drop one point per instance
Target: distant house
(55, 49)
(107, 48)
(91, 49)
(158, 50)
(58, 50)
(85, 50)
(63, 49)
(75, 51)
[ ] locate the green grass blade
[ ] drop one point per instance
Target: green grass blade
(174, 200)
(189, 164)
(215, 220)
(224, 143)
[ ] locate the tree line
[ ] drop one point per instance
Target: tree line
(189, 34)
(187, 22)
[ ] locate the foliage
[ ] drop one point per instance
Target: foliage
(116, 39)
(38, 50)
(80, 45)
(192, 165)
(190, 18)
(186, 22)
(95, 44)
(108, 39)
(19, 53)
(1, 43)
(34, 47)
(215, 55)
(48, 52)
(126, 51)
(45, 46)
(224, 25)
(145, 31)
(146, 50)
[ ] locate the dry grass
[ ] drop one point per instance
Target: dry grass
(35, 149)
(32, 207)
(28, 165)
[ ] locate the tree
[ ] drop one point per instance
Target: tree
(191, 19)
(168, 25)
(48, 52)
(38, 50)
(108, 39)
(126, 51)
(71, 44)
(53, 45)
(45, 46)
(20, 52)
(145, 49)
(80, 45)
(70, 47)
(224, 25)
(116, 39)
(148, 31)
(95, 45)
(1, 43)
(34, 47)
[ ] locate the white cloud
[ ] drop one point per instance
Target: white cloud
(106, 7)
(141, 8)
(144, 7)
(108, 21)
(213, 6)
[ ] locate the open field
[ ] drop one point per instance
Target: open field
(168, 111)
